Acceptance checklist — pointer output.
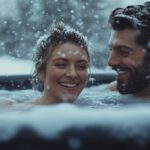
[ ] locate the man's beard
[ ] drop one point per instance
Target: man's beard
(137, 81)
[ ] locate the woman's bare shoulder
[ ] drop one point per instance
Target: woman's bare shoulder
(7, 102)
(15, 106)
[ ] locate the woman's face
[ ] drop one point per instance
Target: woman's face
(66, 73)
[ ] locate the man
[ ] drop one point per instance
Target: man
(130, 49)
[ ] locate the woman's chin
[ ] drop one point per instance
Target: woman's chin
(69, 98)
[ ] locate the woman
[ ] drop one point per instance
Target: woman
(61, 64)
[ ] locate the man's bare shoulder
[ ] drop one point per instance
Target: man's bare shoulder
(112, 86)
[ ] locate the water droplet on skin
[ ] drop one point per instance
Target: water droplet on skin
(70, 52)
(59, 53)
(47, 87)
(117, 21)
(82, 47)
(75, 53)
(63, 55)
(123, 84)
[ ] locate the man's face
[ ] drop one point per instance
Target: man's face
(127, 58)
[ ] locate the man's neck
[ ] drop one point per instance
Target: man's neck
(144, 93)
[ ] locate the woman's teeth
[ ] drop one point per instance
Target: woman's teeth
(70, 85)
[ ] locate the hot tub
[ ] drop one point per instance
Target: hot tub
(99, 119)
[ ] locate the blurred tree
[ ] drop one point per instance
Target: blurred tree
(19, 35)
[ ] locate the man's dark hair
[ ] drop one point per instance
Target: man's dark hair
(136, 17)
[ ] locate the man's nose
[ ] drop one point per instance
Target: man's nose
(113, 59)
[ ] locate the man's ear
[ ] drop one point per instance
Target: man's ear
(41, 76)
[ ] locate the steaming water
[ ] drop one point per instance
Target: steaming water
(93, 97)
(111, 114)
(125, 116)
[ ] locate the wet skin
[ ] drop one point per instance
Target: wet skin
(127, 58)
(65, 75)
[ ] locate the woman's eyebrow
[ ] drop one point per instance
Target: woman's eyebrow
(60, 58)
(82, 60)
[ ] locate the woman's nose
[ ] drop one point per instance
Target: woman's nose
(71, 71)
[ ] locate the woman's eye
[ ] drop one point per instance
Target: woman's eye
(60, 65)
(82, 67)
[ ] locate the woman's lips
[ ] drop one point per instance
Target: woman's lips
(69, 85)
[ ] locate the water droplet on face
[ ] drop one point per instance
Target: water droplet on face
(75, 53)
(123, 84)
(70, 52)
(63, 55)
(47, 87)
(83, 56)
(59, 53)
(117, 21)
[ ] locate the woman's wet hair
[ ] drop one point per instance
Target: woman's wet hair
(136, 17)
(58, 34)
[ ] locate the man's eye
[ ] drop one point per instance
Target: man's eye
(125, 52)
